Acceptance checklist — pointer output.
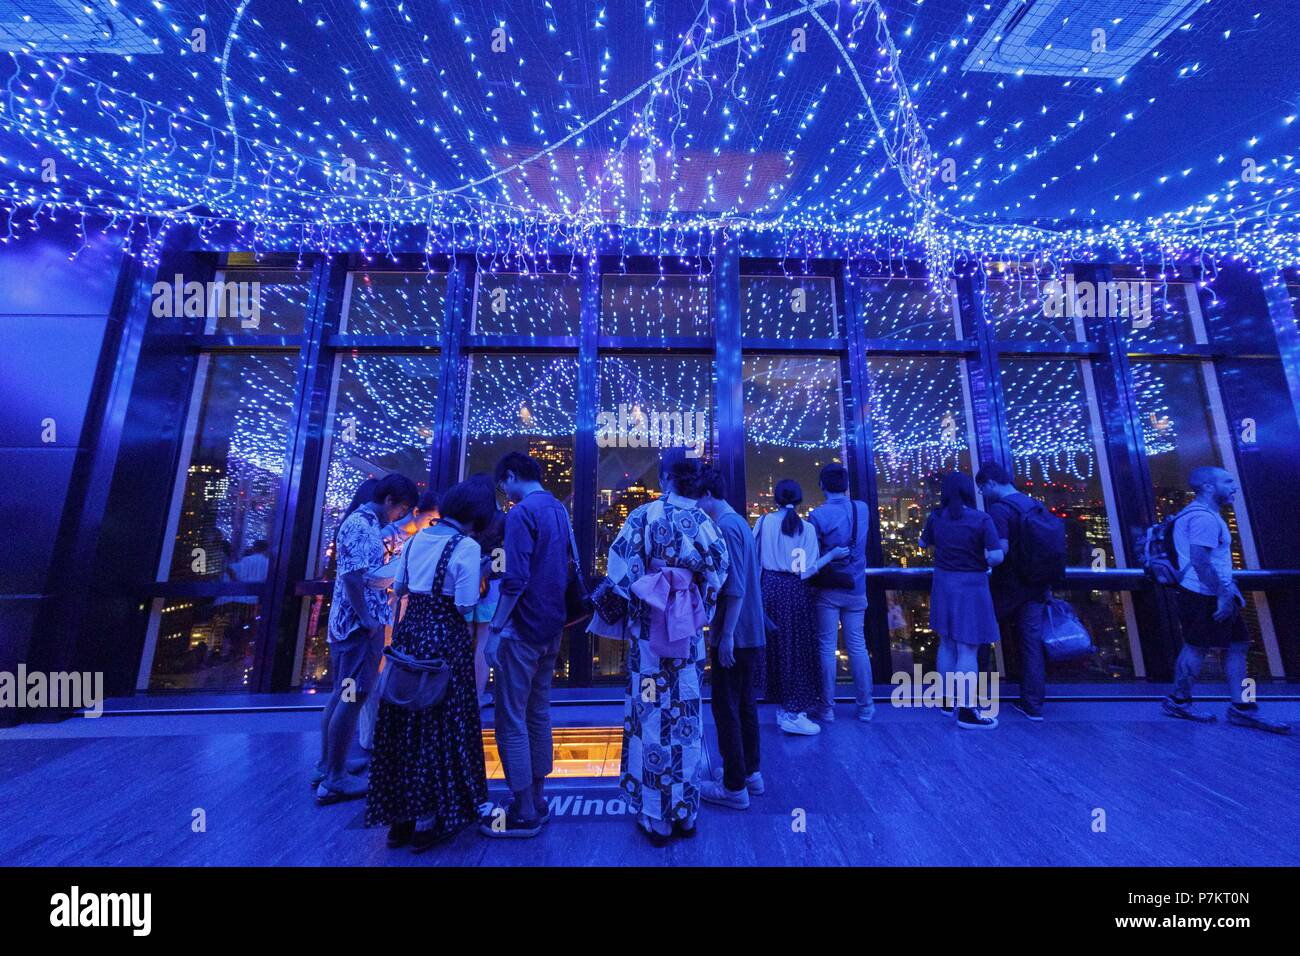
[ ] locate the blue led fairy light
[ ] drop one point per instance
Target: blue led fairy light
(323, 126)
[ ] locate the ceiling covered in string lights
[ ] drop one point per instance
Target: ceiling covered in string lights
(1016, 127)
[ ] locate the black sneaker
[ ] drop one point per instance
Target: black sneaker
(1021, 707)
(507, 826)
(946, 708)
(968, 719)
(1247, 715)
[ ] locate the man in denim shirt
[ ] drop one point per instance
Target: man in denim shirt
(525, 640)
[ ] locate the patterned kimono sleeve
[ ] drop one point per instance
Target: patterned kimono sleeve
(714, 563)
(626, 564)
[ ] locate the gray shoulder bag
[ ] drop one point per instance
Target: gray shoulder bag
(410, 683)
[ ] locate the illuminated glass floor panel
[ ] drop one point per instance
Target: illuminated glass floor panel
(579, 752)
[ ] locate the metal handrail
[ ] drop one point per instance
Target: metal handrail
(1108, 579)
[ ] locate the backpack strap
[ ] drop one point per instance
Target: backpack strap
(1016, 508)
(1021, 515)
(574, 563)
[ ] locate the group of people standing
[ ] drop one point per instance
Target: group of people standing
(477, 588)
(688, 581)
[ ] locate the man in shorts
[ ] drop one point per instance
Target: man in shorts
(359, 614)
(1209, 604)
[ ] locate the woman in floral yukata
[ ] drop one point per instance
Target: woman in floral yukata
(669, 560)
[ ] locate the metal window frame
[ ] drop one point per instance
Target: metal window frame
(727, 260)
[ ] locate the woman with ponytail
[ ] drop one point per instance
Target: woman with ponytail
(789, 555)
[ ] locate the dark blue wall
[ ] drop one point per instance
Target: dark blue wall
(54, 315)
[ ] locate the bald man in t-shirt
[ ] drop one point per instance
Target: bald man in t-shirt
(1209, 603)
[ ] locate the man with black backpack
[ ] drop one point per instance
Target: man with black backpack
(1209, 602)
(1034, 541)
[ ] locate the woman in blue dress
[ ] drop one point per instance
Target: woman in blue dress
(966, 545)
(661, 719)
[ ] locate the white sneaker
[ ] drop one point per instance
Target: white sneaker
(712, 792)
(797, 724)
(753, 783)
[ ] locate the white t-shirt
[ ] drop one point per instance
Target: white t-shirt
(796, 555)
(1207, 528)
(419, 563)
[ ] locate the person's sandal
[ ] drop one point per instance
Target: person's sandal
(354, 765)
(653, 835)
(400, 834)
(424, 840)
(351, 788)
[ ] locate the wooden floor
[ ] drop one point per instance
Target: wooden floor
(908, 789)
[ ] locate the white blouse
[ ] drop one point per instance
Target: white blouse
(797, 555)
(418, 563)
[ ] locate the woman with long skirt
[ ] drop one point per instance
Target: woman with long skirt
(427, 777)
(669, 553)
(966, 546)
(789, 554)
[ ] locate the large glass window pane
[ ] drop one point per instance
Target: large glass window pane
(202, 643)
(546, 304)
(221, 517)
(524, 403)
(1053, 432)
(1054, 435)
(259, 301)
(637, 390)
(781, 307)
(1293, 292)
(907, 309)
(920, 415)
(1023, 307)
(1179, 434)
(794, 424)
(382, 420)
(395, 303)
(654, 305)
(224, 505)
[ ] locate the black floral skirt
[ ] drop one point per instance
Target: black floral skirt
(792, 677)
(430, 763)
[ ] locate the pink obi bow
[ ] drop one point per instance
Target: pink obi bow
(676, 611)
